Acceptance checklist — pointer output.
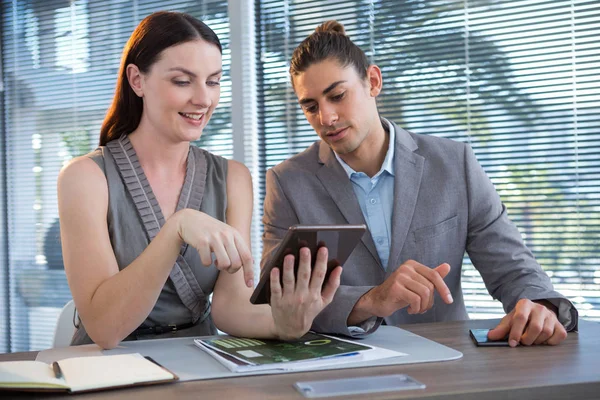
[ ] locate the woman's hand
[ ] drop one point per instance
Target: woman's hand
(209, 235)
(295, 306)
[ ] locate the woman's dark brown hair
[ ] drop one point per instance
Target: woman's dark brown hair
(328, 41)
(155, 33)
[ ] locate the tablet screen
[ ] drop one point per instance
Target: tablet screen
(340, 241)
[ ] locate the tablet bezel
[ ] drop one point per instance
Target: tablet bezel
(262, 292)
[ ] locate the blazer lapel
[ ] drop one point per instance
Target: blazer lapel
(339, 187)
(408, 170)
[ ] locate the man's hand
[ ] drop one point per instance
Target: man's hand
(529, 323)
(412, 285)
(295, 305)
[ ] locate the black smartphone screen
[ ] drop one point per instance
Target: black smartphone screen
(480, 338)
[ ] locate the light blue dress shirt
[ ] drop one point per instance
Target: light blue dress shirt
(375, 196)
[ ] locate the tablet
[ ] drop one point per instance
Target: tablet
(340, 241)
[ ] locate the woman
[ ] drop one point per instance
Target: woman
(143, 217)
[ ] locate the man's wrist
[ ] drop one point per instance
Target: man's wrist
(285, 332)
(548, 305)
(274, 332)
(362, 311)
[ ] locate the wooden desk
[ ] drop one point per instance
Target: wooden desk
(568, 371)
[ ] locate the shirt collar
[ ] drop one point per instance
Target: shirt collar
(388, 161)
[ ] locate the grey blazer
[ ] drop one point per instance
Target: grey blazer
(444, 205)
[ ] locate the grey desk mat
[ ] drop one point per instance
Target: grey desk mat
(181, 356)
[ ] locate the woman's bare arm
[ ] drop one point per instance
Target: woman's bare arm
(111, 303)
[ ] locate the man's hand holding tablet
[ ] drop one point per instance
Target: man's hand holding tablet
(303, 274)
(340, 241)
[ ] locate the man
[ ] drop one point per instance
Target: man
(426, 200)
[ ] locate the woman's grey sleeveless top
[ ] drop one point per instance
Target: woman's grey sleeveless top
(134, 219)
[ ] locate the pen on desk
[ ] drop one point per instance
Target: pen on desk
(154, 361)
(57, 371)
(160, 365)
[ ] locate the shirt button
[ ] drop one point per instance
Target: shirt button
(373, 201)
(380, 241)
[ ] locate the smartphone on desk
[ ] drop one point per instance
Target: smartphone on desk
(480, 338)
(340, 241)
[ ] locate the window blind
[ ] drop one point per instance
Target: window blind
(517, 80)
(59, 68)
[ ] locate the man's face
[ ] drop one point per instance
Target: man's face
(338, 104)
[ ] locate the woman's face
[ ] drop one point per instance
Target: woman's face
(181, 90)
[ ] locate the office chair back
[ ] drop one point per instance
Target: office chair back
(66, 325)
